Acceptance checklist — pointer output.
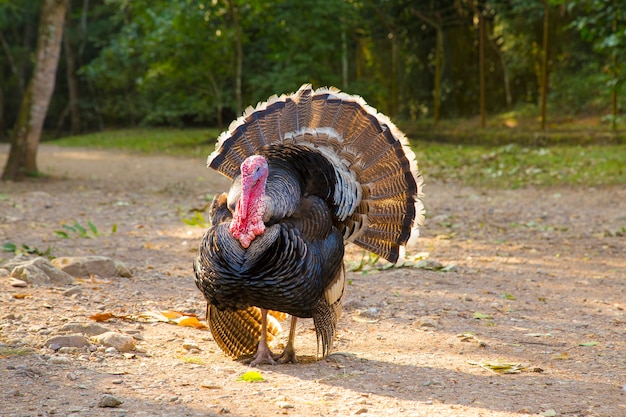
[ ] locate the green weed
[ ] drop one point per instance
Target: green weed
(26, 249)
(9, 351)
(197, 219)
(77, 230)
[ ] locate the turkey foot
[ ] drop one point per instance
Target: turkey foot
(263, 355)
(288, 355)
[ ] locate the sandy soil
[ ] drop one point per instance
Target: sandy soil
(544, 270)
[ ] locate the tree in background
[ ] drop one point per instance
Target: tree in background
(199, 62)
(603, 23)
(36, 99)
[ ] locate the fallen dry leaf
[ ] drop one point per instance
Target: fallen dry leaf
(102, 316)
(191, 322)
(20, 296)
(500, 367)
(172, 314)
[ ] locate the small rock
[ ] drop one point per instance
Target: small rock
(121, 342)
(72, 340)
(4, 272)
(72, 291)
(39, 271)
(71, 376)
(122, 270)
(111, 351)
(83, 266)
(18, 283)
(426, 322)
(117, 381)
(109, 401)
(190, 344)
(60, 360)
(89, 329)
(360, 411)
(284, 404)
(353, 304)
(15, 393)
(371, 312)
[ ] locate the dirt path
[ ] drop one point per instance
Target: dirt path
(540, 280)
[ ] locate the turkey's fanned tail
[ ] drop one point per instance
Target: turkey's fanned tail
(374, 186)
(238, 332)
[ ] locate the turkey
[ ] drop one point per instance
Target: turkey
(311, 171)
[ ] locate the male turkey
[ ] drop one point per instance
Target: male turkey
(311, 171)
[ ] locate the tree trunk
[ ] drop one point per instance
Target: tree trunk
(72, 83)
(438, 70)
(239, 65)
(344, 60)
(615, 72)
(435, 24)
(544, 69)
(395, 101)
(2, 126)
(481, 65)
(505, 71)
(29, 124)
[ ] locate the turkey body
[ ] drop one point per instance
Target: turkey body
(310, 171)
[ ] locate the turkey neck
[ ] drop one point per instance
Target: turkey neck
(247, 220)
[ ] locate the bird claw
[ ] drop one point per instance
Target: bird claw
(263, 355)
(288, 356)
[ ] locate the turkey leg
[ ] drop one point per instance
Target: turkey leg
(263, 353)
(289, 354)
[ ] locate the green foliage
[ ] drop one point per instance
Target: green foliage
(26, 249)
(12, 351)
(170, 61)
(197, 219)
(77, 230)
(251, 376)
(175, 62)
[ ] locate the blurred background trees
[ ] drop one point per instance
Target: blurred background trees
(192, 63)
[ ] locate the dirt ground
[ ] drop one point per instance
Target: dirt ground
(540, 282)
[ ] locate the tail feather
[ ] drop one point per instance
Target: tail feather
(374, 168)
(238, 333)
(326, 314)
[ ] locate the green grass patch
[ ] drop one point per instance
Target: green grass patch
(169, 141)
(192, 359)
(488, 163)
(9, 351)
(514, 166)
